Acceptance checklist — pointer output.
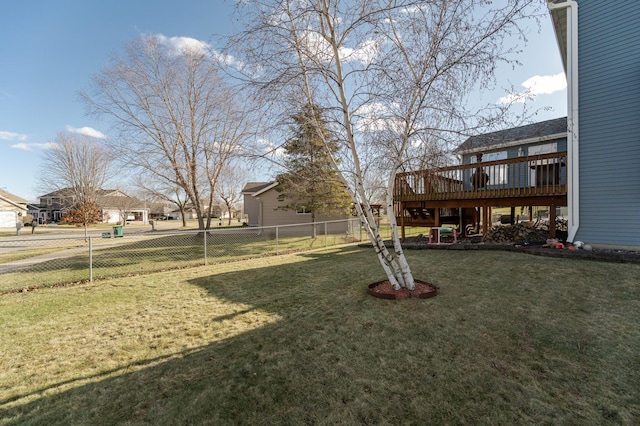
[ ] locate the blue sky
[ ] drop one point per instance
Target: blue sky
(49, 50)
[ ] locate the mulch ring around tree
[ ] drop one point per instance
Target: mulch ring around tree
(384, 290)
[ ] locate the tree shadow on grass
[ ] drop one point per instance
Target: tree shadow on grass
(331, 354)
(296, 369)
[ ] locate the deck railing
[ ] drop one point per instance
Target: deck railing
(532, 176)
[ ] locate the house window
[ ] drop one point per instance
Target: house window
(48, 201)
(497, 174)
(539, 170)
(303, 210)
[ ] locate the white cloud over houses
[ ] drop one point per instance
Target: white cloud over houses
(537, 85)
(87, 131)
(11, 136)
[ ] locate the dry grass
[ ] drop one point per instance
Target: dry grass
(510, 339)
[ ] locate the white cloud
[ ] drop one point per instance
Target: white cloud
(31, 146)
(411, 9)
(537, 85)
(181, 44)
(375, 116)
(365, 53)
(178, 45)
(272, 149)
(87, 131)
(319, 49)
(11, 136)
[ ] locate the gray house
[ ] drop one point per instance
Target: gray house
(598, 43)
(523, 167)
(534, 139)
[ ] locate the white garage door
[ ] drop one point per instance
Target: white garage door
(8, 219)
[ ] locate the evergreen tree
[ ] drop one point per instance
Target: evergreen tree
(310, 183)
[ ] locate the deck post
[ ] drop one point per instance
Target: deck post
(486, 212)
(552, 221)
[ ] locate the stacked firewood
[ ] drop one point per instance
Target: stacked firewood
(523, 232)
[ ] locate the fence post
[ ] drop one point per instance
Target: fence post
(91, 259)
(205, 247)
(276, 240)
(325, 234)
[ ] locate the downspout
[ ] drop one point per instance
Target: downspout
(260, 211)
(573, 175)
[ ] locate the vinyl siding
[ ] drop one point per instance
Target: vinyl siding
(609, 145)
(266, 205)
(271, 216)
(515, 174)
(252, 210)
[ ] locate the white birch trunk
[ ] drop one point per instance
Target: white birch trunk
(393, 263)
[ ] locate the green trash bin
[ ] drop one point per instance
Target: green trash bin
(117, 231)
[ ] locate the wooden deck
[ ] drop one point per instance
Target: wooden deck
(462, 195)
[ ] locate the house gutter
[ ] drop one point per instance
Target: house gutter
(573, 190)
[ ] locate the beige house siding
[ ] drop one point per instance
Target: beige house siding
(8, 215)
(272, 217)
(261, 208)
(252, 210)
(13, 209)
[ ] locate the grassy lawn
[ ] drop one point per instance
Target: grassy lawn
(510, 339)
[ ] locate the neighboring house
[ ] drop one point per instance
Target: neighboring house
(115, 206)
(261, 207)
(189, 213)
(519, 167)
(160, 211)
(12, 209)
(598, 43)
(51, 206)
(534, 139)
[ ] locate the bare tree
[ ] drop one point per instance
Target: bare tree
(178, 119)
(159, 191)
(397, 69)
(78, 165)
(229, 187)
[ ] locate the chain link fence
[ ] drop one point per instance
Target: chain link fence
(28, 263)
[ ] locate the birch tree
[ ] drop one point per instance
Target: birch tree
(397, 69)
(177, 118)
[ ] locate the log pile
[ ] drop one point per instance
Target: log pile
(518, 233)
